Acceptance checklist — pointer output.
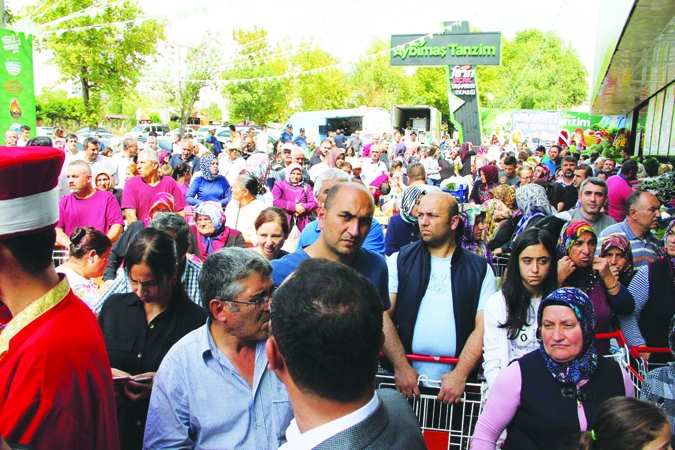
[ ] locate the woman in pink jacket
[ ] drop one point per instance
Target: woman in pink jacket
(295, 197)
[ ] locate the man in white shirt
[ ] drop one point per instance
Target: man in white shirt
(96, 161)
(23, 136)
(372, 167)
(122, 160)
(332, 391)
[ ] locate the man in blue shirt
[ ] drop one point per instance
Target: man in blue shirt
(287, 134)
(345, 221)
(213, 389)
(213, 143)
(326, 180)
(301, 140)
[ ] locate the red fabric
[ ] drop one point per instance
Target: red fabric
(217, 243)
(28, 171)
(56, 387)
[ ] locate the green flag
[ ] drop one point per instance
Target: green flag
(17, 102)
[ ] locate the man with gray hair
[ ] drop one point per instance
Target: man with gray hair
(186, 156)
(225, 356)
(188, 270)
(326, 180)
(592, 196)
(121, 160)
(140, 190)
(86, 206)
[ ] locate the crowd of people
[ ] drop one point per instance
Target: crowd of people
(237, 297)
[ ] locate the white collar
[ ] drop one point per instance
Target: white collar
(315, 436)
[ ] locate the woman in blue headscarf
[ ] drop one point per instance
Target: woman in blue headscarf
(210, 186)
(553, 392)
(212, 233)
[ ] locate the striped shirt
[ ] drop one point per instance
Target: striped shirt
(199, 400)
(121, 285)
(639, 288)
(645, 250)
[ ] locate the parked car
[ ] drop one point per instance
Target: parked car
(107, 139)
(44, 131)
(143, 130)
(92, 130)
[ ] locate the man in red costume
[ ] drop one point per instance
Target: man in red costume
(56, 388)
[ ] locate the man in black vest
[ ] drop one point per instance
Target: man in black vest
(437, 293)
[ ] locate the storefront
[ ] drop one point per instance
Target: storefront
(634, 73)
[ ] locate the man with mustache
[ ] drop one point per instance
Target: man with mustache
(213, 389)
(569, 165)
(643, 212)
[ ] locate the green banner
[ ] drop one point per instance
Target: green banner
(17, 102)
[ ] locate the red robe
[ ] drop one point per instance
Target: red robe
(56, 388)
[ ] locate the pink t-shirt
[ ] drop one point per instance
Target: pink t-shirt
(137, 195)
(100, 211)
(618, 191)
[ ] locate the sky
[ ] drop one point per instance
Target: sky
(346, 28)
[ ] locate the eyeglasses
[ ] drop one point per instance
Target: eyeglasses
(260, 302)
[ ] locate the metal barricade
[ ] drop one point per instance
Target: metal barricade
(499, 264)
(444, 426)
(59, 256)
(629, 358)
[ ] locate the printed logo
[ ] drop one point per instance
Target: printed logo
(15, 109)
(14, 87)
(13, 67)
(11, 43)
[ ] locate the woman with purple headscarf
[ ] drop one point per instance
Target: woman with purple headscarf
(466, 152)
(295, 197)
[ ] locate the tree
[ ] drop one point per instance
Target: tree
(57, 108)
(257, 101)
(538, 71)
(105, 58)
(214, 112)
(430, 87)
(376, 82)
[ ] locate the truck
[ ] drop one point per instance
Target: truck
(425, 120)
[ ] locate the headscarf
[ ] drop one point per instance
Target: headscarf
(217, 216)
(466, 147)
(469, 217)
(163, 157)
(505, 193)
(410, 196)
(159, 199)
(333, 156)
(532, 201)
(291, 168)
(491, 181)
(570, 233)
(258, 165)
(665, 241)
(205, 166)
(586, 363)
(494, 208)
(547, 172)
(620, 242)
(61, 140)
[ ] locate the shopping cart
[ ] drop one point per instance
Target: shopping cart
(59, 256)
(629, 358)
(443, 426)
(653, 365)
(499, 264)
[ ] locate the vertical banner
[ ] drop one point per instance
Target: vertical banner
(17, 102)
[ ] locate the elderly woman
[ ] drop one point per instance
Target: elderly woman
(272, 230)
(403, 228)
(555, 391)
(579, 268)
(653, 288)
(245, 207)
(473, 218)
(88, 257)
(210, 186)
(617, 250)
(140, 327)
(258, 166)
(510, 315)
(212, 233)
(489, 179)
(295, 197)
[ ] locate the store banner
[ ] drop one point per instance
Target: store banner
(538, 126)
(17, 102)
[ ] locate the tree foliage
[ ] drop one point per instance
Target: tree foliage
(56, 108)
(105, 59)
(539, 71)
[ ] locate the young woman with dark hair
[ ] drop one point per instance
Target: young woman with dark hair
(510, 315)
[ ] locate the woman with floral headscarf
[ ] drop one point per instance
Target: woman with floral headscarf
(617, 250)
(473, 218)
(578, 267)
(258, 166)
(212, 233)
(210, 186)
(653, 288)
(533, 205)
(403, 228)
(295, 197)
(658, 385)
(555, 391)
(489, 179)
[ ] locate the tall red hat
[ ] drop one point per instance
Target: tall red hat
(29, 200)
